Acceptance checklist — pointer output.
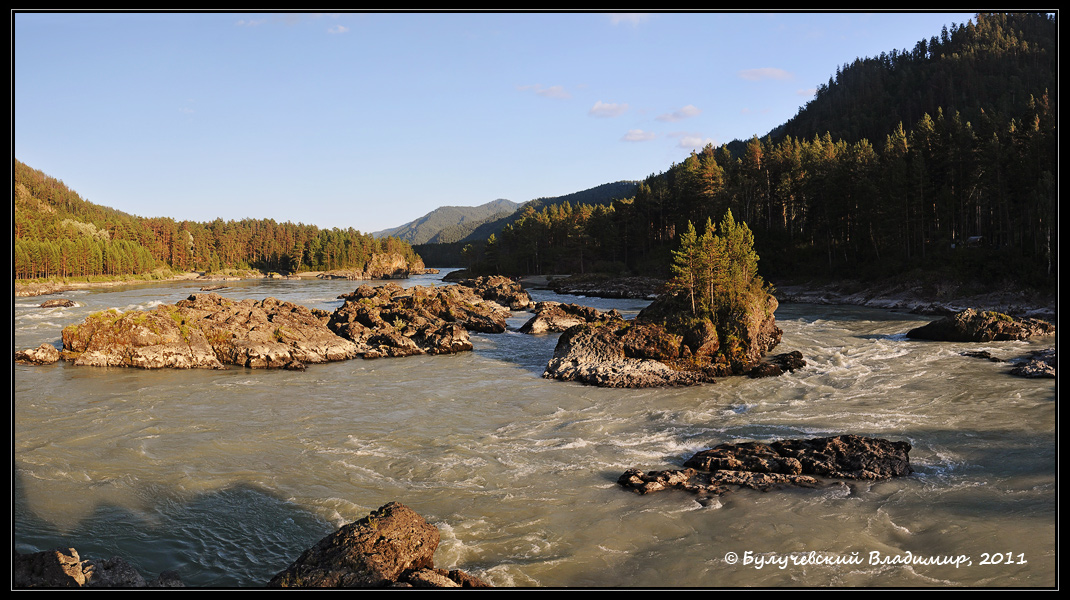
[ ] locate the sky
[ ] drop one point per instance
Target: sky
(372, 119)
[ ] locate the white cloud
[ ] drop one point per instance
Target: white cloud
(688, 111)
(607, 109)
(765, 73)
(244, 23)
(633, 19)
(554, 91)
(638, 135)
(692, 141)
(338, 29)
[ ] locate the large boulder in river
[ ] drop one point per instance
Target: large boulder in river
(668, 345)
(391, 547)
(621, 354)
(981, 326)
(763, 466)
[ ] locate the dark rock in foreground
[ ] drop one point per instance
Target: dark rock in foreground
(776, 365)
(63, 568)
(981, 326)
(764, 466)
(391, 547)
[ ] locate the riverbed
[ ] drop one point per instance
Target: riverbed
(226, 476)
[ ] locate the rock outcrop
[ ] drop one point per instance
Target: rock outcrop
(391, 547)
(557, 317)
(210, 331)
(499, 289)
(621, 354)
(762, 466)
(604, 286)
(58, 303)
(981, 326)
(64, 568)
(662, 347)
(207, 331)
(379, 266)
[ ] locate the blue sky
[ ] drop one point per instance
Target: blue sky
(370, 120)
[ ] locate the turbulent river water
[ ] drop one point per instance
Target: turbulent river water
(226, 476)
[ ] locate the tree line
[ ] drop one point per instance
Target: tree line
(59, 234)
(976, 196)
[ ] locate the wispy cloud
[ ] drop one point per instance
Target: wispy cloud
(765, 73)
(554, 91)
(692, 141)
(632, 19)
(677, 115)
(337, 29)
(638, 135)
(806, 92)
(244, 23)
(607, 109)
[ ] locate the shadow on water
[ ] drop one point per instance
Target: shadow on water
(236, 536)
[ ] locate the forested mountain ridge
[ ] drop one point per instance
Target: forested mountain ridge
(942, 193)
(462, 219)
(984, 69)
(56, 233)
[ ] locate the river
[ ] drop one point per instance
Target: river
(226, 476)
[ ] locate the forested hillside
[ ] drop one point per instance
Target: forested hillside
(59, 234)
(449, 223)
(941, 159)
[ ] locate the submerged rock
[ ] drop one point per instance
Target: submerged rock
(762, 466)
(391, 547)
(981, 326)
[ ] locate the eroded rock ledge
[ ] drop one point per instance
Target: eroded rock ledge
(785, 463)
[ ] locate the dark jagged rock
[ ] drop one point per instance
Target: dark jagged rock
(1040, 364)
(64, 568)
(776, 365)
(985, 354)
(58, 303)
(762, 466)
(45, 354)
(557, 317)
(981, 326)
(391, 547)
